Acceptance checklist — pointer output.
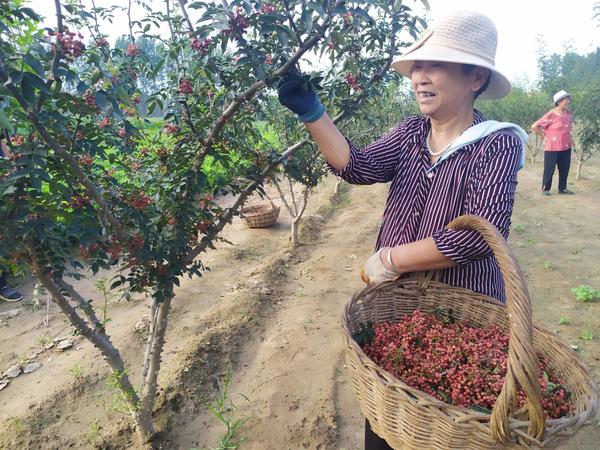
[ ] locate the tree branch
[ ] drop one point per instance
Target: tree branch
(129, 21)
(85, 306)
(186, 16)
(293, 26)
(99, 340)
(282, 195)
(293, 196)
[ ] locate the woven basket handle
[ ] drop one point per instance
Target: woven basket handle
(522, 364)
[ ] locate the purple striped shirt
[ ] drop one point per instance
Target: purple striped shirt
(479, 178)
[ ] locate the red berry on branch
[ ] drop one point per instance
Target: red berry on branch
(185, 87)
(133, 50)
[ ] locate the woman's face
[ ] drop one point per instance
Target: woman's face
(442, 89)
(564, 103)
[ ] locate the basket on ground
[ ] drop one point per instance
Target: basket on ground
(409, 419)
(260, 216)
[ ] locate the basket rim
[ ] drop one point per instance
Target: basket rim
(257, 210)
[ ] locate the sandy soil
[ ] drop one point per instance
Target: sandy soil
(271, 314)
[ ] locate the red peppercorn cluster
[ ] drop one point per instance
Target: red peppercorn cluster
(86, 252)
(268, 9)
(17, 140)
(268, 59)
(133, 50)
(101, 42)
(456, 363)
(122, 132)
(352, 81)
(170, 128)
(89, 98)
(185, 87)
(201, 46)
(70, 43)
(106, 122)
(139, 200)
(79, 201)
(348, 19)
(238, 23)
(86, 159)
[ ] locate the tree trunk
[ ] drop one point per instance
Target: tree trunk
(579, 164)
(98, 338)
(156, 343)
(295, 222)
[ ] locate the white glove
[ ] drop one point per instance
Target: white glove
(376, 270)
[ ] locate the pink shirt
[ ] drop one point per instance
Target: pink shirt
(557, 128)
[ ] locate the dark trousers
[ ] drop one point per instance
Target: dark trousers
(372, 441)
(562, 160)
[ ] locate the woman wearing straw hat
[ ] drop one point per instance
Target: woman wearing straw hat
(555, 126)
(445, 163)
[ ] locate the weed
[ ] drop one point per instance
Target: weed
(93, 436)
(103, 288)
(564, 320)
(530, 241)
(519, 228)
(224, 409)
(76, 372)
(17, 424)
(548, 265)
(585, 293)
(586, 335)
(43, 340)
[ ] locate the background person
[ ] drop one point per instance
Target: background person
(555, 126)
(6, 292)
(443, 164)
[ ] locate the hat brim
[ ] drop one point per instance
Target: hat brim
(498, 87)
(560, 98)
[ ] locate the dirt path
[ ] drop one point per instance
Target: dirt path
(273, 315)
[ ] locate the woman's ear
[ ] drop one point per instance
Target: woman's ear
(480, 76)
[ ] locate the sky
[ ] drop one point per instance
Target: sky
(520, 24)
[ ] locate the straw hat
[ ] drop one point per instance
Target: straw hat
(559, 96)
(464, 37)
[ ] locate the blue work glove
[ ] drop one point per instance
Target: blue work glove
(296, 94)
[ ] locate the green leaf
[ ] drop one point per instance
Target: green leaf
(4, 121)
(96, 75)
(317, 8)
(36, 82)
(28, 90)
(33, 63)
(306, 19)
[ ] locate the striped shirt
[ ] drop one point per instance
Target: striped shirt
(479, 178)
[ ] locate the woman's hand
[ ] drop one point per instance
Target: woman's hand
(379, 268)
(296, 94)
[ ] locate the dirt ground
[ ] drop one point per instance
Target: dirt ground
(271, 314)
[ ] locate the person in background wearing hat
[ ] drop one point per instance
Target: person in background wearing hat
(555, 126)
(445, 163)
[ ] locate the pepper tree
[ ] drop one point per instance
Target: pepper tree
(87, 185)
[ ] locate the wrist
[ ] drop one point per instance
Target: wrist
(315, 113)
(386, 259)
(395, 259)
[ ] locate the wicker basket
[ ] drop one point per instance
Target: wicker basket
(409, 419)
(260, 216)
